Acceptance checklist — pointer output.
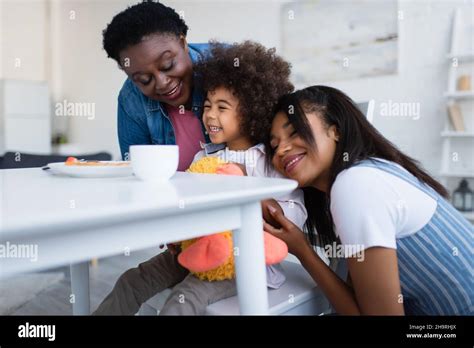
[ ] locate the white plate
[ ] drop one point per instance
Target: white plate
(61, 168)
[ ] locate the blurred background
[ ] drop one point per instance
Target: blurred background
(58, 90)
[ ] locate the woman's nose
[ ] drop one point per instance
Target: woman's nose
(162, 82)
(283, 149)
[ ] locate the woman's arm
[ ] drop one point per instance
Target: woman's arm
(376, 282)
(339, 294)
(130, 131)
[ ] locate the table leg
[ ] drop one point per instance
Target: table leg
(80, 288)
(250, 261)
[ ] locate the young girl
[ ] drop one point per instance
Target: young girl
(360, 190)
(243, 84)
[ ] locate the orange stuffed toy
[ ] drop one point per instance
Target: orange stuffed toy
(211, 258)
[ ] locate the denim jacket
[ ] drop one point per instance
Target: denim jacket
(142, 121)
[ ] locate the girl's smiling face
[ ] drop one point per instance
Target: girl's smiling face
(294, 158)
(161, 68)
(222, 120)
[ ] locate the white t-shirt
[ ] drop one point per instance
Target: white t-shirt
(371, 207)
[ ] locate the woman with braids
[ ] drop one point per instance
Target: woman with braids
(360, 190)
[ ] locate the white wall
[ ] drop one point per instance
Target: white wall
(23, 39)
(232, 20)
(83, 74)
(424, 41)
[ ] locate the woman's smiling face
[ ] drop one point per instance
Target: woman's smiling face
(296, 159)
(160, 67)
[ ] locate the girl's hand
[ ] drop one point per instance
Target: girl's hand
(174, 248)
(289, 232)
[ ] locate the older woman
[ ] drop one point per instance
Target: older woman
(160, 102)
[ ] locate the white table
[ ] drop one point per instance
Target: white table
(72, 220)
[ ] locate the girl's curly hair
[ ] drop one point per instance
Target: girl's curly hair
(256, 76)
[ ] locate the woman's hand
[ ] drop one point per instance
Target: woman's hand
(266, 213)
(289, 232)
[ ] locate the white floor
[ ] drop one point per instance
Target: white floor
(54, 300)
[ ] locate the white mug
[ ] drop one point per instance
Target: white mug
(154, 162)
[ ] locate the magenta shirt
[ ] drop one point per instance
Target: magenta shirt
(188, 134)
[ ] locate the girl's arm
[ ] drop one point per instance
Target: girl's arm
(376, 282)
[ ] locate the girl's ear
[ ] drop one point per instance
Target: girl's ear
(333, 133)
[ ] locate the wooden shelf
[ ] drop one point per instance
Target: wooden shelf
(456, 134)
(462, 57)
(459, 95)
(468, 215)
(457, 174)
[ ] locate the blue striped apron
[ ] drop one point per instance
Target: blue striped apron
(434, 263)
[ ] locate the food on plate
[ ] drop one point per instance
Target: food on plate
(73, 161)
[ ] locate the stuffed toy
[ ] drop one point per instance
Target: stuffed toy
(211, 257)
